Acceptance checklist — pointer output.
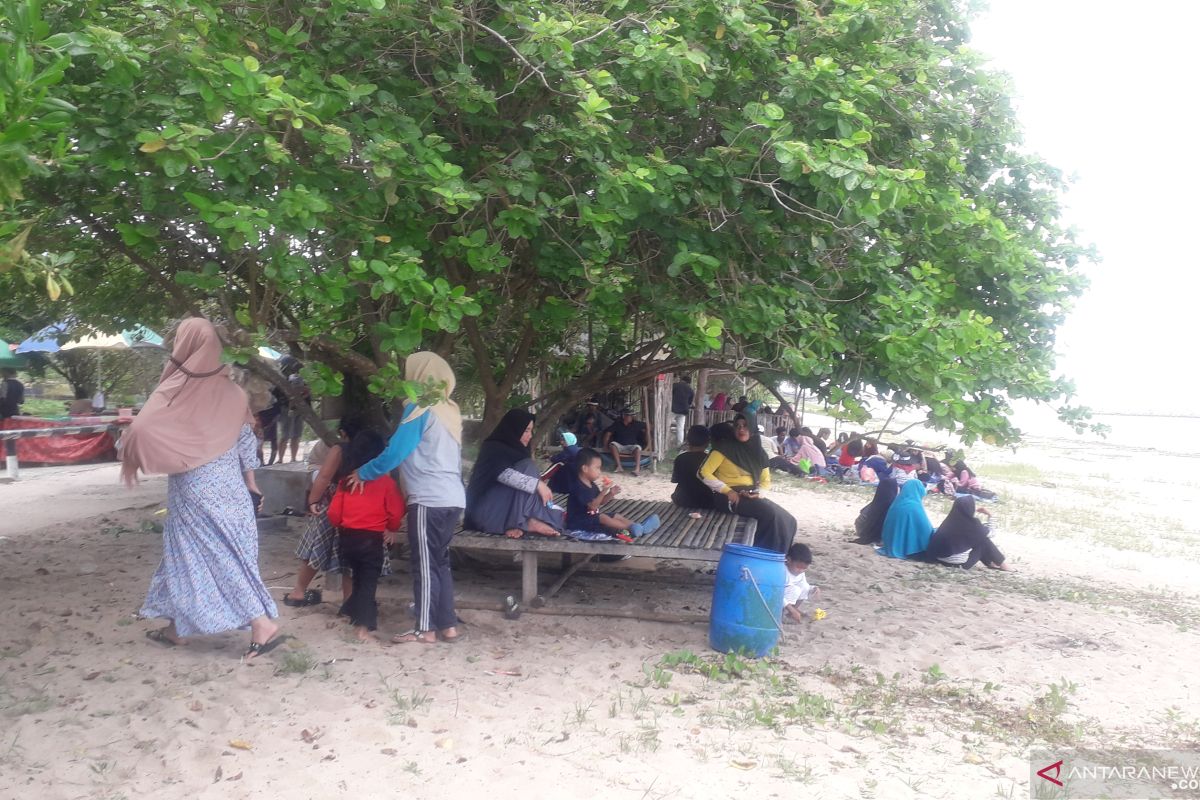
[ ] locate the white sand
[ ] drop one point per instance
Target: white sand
(91, 709)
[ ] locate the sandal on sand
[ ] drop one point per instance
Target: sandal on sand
(311, 598)
(159, 636)
(455, 639)
(411, 637)
(255, 649)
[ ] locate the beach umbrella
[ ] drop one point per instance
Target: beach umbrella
(124, 340)
(45, 340)
(8, 358)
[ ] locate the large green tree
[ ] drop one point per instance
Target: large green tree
(833, 193)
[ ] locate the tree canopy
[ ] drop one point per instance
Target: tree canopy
(832, 193)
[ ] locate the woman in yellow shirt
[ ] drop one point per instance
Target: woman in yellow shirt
(739, 469)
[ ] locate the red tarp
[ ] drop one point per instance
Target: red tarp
(67, 448)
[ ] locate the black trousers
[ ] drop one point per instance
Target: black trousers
(362, 554)
(429, 533)
(776, 527)
(982, 549)
(778, 462)
(985, 550)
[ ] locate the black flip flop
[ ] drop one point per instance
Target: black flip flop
(311, 598)
(158, 636)
(255, 649)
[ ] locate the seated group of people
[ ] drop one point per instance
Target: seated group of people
(896, 522)
(507, 493)
(862, 459)
(623, 438)
(798, 451)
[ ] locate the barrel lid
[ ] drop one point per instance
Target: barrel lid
(746, 551)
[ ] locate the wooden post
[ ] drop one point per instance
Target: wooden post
(11, 466)
(697, 417)
(660, 431)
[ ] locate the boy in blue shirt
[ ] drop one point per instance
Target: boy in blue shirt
(586, 498)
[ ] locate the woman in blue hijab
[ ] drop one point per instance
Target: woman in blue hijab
(906, 529)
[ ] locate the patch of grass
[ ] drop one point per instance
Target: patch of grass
(1027, 474)
(659, 677)
(14, 704)
(722, 669)
(404, 707)
(41, 407)
(772, 697)
(16, 648)
(647, 739)
(1180, 730)
(1171, 608)
(296, 662)
(790, 769)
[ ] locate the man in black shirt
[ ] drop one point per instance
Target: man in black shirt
(627, 436)
(690, 491)
(741, 404)
(682, 397)
(12, 393)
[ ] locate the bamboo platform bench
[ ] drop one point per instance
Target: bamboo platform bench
(680, 537)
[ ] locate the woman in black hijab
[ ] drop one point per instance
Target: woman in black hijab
(737, 468)
(505, 493)
(962, 540)
(869, 525)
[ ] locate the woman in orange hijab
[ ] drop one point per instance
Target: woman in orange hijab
(197, 429)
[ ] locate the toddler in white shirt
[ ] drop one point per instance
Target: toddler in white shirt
(797, 590)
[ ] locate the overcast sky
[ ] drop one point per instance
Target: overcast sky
(1107, 91)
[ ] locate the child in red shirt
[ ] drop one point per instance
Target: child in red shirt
(366, 521)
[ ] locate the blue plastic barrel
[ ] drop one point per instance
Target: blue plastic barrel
(743, 618)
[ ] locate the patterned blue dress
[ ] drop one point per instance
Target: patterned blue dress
(208, 580)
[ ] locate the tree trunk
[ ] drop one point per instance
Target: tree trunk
(357, 399)
(495, 402)
(697, 417)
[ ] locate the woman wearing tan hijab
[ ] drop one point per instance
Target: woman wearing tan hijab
(198, 430)
(427, 447)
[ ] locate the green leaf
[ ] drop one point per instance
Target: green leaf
(174, 164)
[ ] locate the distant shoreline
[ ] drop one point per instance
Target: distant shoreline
(1143, 414)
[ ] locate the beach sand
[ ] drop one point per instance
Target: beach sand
(922, 681)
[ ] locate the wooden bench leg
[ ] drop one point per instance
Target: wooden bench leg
(529, 576)
(567, 573)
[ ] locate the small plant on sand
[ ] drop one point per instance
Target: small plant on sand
(721, 669)
(34, 702)
(933, 675)
(1179, 727)
(647, 737)
(404, 706)
(789, 768)
(296, 662)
